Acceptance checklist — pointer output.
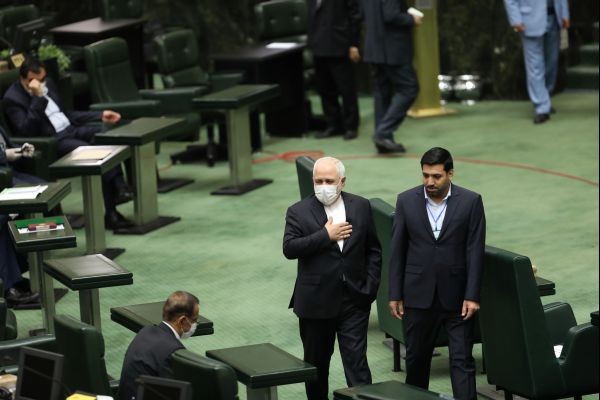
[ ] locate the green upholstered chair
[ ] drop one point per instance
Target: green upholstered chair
(210, 379)
(5, 177)
(113, 87)
(45, 146)
(8, 321)
(83, 348)
(285, 21)
(304, 170)
(119, 9)
(10, 349)
(10, 17)
(518, 337)
(178, 63)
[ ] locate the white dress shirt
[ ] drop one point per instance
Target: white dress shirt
(436, 212)
(57, 118)
(337, 210)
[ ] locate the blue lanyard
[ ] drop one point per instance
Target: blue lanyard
(435, 219)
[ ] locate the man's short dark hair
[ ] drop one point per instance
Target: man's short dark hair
(438, 155)
(179, 303)
(31, 64)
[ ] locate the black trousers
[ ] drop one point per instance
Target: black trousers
(318, 339)
(334, 78)
(75, 136)
(422, 327)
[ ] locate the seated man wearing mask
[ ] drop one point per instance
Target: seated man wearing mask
(32, 107)
(150, 351)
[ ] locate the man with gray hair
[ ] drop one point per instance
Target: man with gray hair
(332, 235)
(150, 351)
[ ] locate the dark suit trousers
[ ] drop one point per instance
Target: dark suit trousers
(422, 328)
(318, 339)
(75, 136)
(396, 88)
(334, 77)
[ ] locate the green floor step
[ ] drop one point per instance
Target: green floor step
(589, 54)
(582, 77)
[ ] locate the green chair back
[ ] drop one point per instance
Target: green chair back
(281, 19)
(178, 59)
(518, 349)
(210, 379)
(110, 74)
(304, 170)
(83, 348)
(120, 9)
(7, 78)
(10, 17)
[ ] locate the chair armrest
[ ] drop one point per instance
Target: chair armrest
(174, 100)
(579, 359)
(131, 109)
(5, 177)
(559, 319)
(224, 80)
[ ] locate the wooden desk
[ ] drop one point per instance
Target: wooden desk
(142, 134)
(35, 208)
(137, 316)
(236, 101)
(263, 367)
(88, 31)
(285, 115)
(91, 172)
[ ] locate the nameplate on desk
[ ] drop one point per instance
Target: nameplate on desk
(22, 192)
(281, 45)
(91, 155)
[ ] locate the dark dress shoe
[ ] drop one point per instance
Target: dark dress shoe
(123, 194)
(350, 134)
(541, 118)
(115, 220)
(388, 146)
(16, 297)
(329, 132)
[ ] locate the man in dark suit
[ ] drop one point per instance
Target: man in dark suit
(150, 351)
(389, 49)
(16, 290)
(333, 37)
(438, 243)
(331, 234)
(32, 106)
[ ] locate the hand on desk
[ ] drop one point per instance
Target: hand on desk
(110, 117)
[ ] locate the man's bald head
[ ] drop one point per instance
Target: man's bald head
(179, 303)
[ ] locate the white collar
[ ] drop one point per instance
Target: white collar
(172, 329)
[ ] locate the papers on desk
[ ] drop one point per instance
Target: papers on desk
(23, 231)
(91, 154)
(22, 192)
(281, 45)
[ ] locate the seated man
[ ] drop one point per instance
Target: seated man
(32, 107)
(149, 352)
(16, 290)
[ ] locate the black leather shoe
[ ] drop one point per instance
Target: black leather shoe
(388, 146)
(16, 297)
(350, 134)
(541, 118)
(329, 132)
(115, 220)
(123, 194)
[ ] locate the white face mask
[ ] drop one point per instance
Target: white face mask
(188, 334)
(44, 89)
(327, 194)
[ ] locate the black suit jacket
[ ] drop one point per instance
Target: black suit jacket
(452, 265)
(333, 27)
(148, 354)
(388, 32)
(324, 270)
(27, 116)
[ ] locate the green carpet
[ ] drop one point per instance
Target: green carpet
(540, 190)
